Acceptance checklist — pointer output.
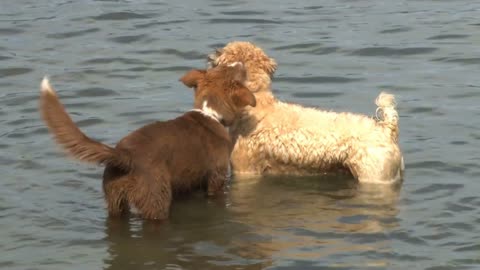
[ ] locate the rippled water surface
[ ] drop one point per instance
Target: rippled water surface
(116, 66)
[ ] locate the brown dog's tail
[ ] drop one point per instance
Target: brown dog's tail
(71, 138)
(386, 113)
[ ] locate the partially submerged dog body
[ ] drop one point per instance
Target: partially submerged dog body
(152, 164)
(281, 138)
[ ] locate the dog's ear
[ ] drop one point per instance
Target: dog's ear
(190, 79)
(239, 72)
(212, 59)
(271, 66)
(242, 97)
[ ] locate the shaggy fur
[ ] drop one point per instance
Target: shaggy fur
(282, 138)
(152, 164)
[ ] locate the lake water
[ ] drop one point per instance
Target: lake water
(116, 66)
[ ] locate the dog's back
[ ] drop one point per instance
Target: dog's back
(189, 147)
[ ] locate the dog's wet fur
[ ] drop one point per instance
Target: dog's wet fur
(277, 137)
(148, 167)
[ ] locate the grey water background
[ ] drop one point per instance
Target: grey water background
(116, 66)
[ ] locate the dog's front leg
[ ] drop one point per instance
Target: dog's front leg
(216, 181)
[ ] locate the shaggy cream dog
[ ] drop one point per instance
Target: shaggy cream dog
(282, 138)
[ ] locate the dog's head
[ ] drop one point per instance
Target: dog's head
(259, 66)
(221, 89)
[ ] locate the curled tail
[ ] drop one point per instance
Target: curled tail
(71, 138)
(386, 113)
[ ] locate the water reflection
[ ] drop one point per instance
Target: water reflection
(311, 218)
(199, 235)
(261, 221)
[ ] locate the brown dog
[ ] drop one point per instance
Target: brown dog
(282, 138)
(152, 164)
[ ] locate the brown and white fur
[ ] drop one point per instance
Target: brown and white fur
(148, 167)
(282, 138)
